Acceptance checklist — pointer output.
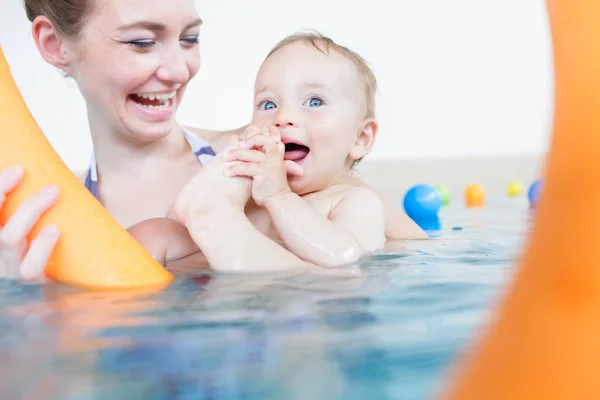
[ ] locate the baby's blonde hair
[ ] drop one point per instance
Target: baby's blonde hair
(323, 44)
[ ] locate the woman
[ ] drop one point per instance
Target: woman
(132, 62)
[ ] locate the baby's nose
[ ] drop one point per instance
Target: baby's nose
(284, 119)
(288, 123)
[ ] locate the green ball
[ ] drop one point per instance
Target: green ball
(444, 192)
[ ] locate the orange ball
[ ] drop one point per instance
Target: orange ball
(475, 195)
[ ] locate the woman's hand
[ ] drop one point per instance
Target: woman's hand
(18, 259)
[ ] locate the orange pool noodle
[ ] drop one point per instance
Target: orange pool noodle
(94, 251)
(545, 342)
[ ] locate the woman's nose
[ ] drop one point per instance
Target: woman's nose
(174, 68)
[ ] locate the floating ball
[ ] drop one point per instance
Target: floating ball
(534, 193)
(514, 189)
(444, 192)
(422, 202)
(475, 195)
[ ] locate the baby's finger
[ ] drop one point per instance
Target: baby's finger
(293, 168)
(242, 169)
(252, 131)
(233, 139)
(273, 148)
(245, 155)
(265, 131)
(39, 252)
(232, 145)
(275, 134)
(258, 142)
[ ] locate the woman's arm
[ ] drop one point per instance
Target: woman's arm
(165, 239)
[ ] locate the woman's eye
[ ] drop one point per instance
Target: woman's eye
(191, 39)
(314, 102)
(142, 44)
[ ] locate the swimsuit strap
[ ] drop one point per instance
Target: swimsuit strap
(200, 147)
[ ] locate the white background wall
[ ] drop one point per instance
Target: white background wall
(457, 77)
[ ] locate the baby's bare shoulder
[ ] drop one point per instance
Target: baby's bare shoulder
(327, 198)
(346, 197)
(360, 196)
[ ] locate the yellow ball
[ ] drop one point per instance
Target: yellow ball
(514, 189)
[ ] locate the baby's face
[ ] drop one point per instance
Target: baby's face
(317, 101)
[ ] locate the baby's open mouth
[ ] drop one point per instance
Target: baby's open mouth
(153, 101)
(295, 152)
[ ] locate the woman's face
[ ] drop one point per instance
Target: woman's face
(132, 62)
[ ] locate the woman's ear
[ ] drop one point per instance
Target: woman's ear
(50, 44)
(365, 140)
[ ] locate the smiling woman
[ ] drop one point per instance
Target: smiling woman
(132, 61)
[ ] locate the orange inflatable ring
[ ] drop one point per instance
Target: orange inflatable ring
(545, 342)
(94, 251)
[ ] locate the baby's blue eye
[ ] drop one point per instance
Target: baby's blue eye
(314, 102)
(268, 105)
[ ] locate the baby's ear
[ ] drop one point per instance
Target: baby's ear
(365, 140)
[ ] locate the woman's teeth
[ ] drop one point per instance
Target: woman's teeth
(154, 101)
(159, 96)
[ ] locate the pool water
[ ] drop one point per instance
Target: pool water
(393, 333)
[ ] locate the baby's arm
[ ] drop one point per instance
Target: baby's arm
(217, 224)
(165, 239)
(355, 226)
(232, 244)
(310, 236)
(229, 241)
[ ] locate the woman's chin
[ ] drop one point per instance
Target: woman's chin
(144, 131)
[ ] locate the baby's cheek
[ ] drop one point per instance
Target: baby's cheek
(261, 119)
(323, 123)
(327, 129)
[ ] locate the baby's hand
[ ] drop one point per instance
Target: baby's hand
(261, 159)
(269, 131)
(274, 133)
(210, 189)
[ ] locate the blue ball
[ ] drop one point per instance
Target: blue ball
(535, 191)
(422, 202)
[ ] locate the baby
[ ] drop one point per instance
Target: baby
(313, 120)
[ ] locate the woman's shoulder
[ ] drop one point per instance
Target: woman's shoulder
(217, 139)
